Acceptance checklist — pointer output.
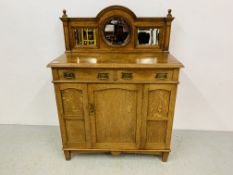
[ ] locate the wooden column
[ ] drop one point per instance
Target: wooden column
(169, 20)
(65, 21)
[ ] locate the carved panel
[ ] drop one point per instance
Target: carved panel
(116, 115)
(158, 103)
(72, 102)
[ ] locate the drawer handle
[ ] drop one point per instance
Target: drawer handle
(161, 76)
(127, 75)
(103, 76)
(69, 75)
(91, 108)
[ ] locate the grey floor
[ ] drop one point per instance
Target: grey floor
(36, 150)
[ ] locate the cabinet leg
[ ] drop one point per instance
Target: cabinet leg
(115, 153)
(165, 156)
(67, 155)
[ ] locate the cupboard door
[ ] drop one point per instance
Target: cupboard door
(158, 111)
(115, 112)
(73, 115)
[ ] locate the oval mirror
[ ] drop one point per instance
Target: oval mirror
(116, 31)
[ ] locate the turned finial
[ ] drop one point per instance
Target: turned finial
(169, 15)
(64, 14)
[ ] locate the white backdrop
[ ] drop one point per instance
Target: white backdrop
(31, 35)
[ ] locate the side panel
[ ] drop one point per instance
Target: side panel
(158, 111)
(73, 115)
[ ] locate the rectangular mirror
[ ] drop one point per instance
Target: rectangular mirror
(148, 36)
(85, 36)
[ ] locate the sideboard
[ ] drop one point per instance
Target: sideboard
(116, 84)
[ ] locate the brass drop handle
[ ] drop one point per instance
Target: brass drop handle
(91, 108)
(127, 75)
(161, 76)
(69, 75)
(103, 76)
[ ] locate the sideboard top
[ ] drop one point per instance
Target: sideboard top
(116, 60)
(117, 38)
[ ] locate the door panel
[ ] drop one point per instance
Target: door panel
(75, 131)
(116, 116)
(158, 110)
(109, 122)
(156, 131)
(72, 100)
(158, 103)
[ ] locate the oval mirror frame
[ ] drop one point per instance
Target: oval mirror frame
(116, 31)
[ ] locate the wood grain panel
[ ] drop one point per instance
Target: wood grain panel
(156, 131)
(113, 106)
(75, 131)
(72, 102)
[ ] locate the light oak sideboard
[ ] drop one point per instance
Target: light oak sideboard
(116, 84)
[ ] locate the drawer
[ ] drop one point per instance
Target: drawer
(145, 75)
(116, 75)
(86, 74)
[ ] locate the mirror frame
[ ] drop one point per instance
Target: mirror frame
(157, 46)
(86, 46)
(128, 38)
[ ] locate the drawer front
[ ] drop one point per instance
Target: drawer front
(142, 75)
(86, 74)
(116, 75)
